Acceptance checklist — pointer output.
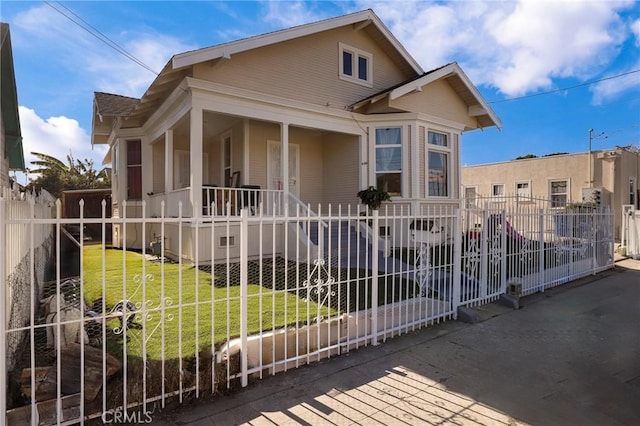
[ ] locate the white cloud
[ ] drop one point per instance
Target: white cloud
(610, 89)
(286, 14)
(635, 28)
(517, 47)
(57, 137)
(62, 44)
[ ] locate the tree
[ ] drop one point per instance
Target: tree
(55, 176)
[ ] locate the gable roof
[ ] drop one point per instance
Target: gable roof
(459, 82)
(9, 103)
(179, 66)
(361, 19)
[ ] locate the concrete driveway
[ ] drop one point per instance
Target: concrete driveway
(569, 356)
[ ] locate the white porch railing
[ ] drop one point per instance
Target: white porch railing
(219, 201)
(132, 329)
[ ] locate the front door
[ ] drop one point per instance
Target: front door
(274, 171)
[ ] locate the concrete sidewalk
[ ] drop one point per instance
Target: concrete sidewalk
(568, 356)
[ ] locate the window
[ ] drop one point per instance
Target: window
(523, 189)
(355, 65)
(470, 193)
(438, 139)
(438, 172)
(389, 160)
(559, 191)
(438, 164)
(632, 192)
(497, 189)
(134, 170)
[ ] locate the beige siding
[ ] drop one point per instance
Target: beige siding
(437, 99)
(259, 133)
(310, 179)
(305, 69)
(341, 178)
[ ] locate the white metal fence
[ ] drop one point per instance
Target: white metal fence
(117, 331)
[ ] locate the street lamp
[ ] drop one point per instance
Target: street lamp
(601, 135)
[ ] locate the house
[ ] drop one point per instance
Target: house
(306, 116)
(12, 157)
(607, 177)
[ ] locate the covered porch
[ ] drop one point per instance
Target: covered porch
(215, 164)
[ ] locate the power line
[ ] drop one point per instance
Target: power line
(99, 35)
(588, 83)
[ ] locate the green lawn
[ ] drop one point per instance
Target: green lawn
(193, 309)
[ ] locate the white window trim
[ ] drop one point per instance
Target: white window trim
(356, 54)
(470, 203)
(567, 193)
(493, 185)
(518, 182)
(403, 152)
(439, 149)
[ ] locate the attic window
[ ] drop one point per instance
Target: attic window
(355, 65)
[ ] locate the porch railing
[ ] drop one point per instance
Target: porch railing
(220, 201)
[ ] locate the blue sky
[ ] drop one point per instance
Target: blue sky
(510, 50)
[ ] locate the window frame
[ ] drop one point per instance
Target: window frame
(446, 150)
(566, 194)
(497, 185)
(400, 146)
(520, 182)
(356, 55)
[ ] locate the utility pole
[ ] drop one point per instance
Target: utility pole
(591, 138)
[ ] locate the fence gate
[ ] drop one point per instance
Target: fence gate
(631, 231)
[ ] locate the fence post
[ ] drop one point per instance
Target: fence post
(244, 238)
(505, 253)
(457, 262)
(3, 319)
(595, 214)
(374, 278)
(541, 250)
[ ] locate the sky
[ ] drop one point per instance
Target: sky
(551, 70)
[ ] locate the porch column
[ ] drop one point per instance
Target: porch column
(120, 166)
(196, 155)
(284, 160)
(364, 160)
(168, 160)
(414, 166)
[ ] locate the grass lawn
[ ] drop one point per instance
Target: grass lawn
(193, 309)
